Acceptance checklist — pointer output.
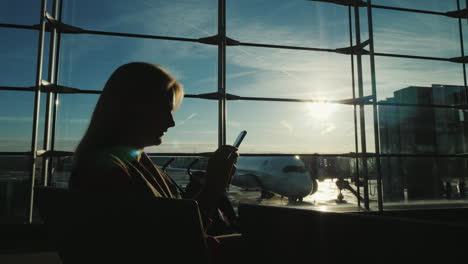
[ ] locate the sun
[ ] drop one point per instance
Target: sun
(320, 111)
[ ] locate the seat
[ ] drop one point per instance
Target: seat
(108, 228)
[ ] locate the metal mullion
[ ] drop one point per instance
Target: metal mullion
(461, 107)
(374, 106)
(356, 141)
(32, 89)
(22, 89)
(411, 56)
(4, 25)
(409, 10)
(49, 102)
(330, 155)
(246, 98)
(131, 35)
(361, 111)
(23, 153)
(345, 155)
(37, 101)
(55, 80)
(462, 49)
(84, 31)
(334, 51)
(284, 47)
(222, 73)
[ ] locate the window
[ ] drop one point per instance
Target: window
(299, 76)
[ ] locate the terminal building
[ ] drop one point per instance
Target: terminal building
(437, 134)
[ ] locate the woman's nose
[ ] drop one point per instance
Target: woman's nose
(171, 121)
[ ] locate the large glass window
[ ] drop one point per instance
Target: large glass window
(19, 57)
(284, 73)
(181, 18)
(302, 23)
(288, 54)
(88, 60)
(292, 127)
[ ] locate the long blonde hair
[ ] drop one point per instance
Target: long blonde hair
(129, 85)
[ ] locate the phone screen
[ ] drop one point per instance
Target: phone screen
(240, 138)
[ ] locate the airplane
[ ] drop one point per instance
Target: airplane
(285, 176)
(282, 175)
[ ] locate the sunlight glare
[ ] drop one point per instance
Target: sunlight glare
(320, 111)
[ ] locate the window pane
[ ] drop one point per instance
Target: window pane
(291, 23)
(88, 60)
(23, 12)
(196, 129)
(417, 179)
(423, 130)
(285, 180)
(60, 176)
(291, 127)
(74, 113)
(394, 75)
(19, 57)
(183, 18)
(288, 74)
(415, 34)
(16, 120)
(430, 5)
(14, 196)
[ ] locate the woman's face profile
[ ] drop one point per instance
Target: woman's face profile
(160, 119)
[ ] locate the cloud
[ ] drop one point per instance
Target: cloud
(329, 127)
(232, 123)
(180, 123)
(287, 125)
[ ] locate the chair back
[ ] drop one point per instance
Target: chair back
(108, 228)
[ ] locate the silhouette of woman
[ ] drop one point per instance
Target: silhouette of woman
(134, 111)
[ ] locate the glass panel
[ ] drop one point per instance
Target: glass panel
(61, 172)
(74, 113)
(275, 127)
(423, 130)
(19, 57)
(14, 184)
(280, 180)
(89, 60)
(23, 12)
(423, 180)
(291, 23)
(168, 18)
(282, 73)
(313, 182)
(16, 110)
(398, 75)
(415, 34)
(430, 5)
(177, 166)
(196, 129)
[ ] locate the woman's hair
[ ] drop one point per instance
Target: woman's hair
(130, 86)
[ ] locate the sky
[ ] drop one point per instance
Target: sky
(88, 60)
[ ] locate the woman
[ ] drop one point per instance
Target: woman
(133, 112)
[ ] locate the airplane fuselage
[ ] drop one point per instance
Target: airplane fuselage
(285, 175)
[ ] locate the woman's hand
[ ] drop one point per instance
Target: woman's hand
(221, 167)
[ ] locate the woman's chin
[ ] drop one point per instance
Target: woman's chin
(157, 142)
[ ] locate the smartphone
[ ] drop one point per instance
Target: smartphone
(240, 138)
(238, 141)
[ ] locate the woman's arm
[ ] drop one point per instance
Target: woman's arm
(221, 167)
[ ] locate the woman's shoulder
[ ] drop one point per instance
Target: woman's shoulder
(106, 158)
(99, 166)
